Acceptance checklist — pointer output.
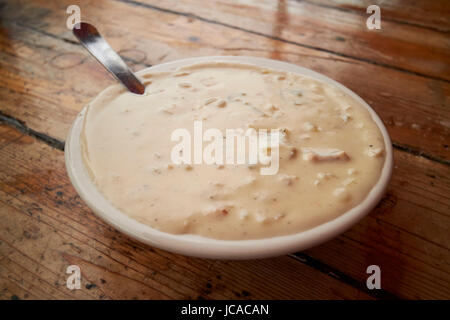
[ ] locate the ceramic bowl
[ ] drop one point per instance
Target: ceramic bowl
(198, 246)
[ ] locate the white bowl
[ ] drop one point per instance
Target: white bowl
(198, 246)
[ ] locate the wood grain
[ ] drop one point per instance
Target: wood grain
(424, 13)
(415, 109)
(46, 78)
(45, 227)
(407, 235)
(320, 27)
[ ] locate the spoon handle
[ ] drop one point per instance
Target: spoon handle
(91, 39)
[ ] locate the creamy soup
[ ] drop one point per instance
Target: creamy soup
(331, 152)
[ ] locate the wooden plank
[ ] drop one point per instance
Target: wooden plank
(12, 291)
(407, 235)
(428, 14)
(45, 227)
(55, 78)
(341, 32)
(420, 187)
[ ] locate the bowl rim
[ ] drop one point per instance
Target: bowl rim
(198, 246)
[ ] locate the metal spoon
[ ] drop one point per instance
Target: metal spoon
(91, 39)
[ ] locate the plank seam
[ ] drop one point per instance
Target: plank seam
(22, 127)
(419, 153)
(341, 276)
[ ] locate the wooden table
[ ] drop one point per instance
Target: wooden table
(46, 77)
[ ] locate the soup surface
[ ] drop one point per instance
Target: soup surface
(330, 152)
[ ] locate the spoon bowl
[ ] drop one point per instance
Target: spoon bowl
(91, 39)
